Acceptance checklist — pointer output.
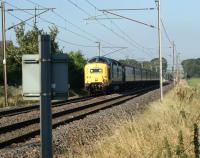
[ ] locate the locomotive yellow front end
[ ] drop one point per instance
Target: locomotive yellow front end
(96, 77)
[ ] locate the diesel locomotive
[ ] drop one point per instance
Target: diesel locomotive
(104, 74)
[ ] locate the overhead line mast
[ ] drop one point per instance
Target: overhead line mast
(4, 52)
(33, 17)
(160, 50)
(173, 68)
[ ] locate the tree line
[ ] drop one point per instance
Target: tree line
(27, 43)
(191, 67)
(153, 65)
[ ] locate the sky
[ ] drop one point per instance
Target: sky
(180, 19)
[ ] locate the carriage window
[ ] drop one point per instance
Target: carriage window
(95, 70)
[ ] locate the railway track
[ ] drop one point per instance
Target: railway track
(21, 131)
(26, 109)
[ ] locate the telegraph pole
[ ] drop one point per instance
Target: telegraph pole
(160, 50)
(177, 68)
(4, 51)
(173, 69)
(35, 20)
(99, 46)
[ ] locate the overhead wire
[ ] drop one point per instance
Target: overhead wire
(105, 26)
(75, 5)
(75, 26)
(166, 33)
(62, 40)
(164, 28)
(114, 51)
(136, 44)
(136, 21)
(52, 23)
(96, 19)
(118, 27)
(82, 36)
(130, 9)
(22, 21)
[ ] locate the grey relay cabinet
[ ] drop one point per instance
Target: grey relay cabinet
(31, 76)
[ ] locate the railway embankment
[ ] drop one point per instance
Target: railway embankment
(167, 129)
(79, 136)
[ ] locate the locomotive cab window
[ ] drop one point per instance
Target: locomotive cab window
(96, 70)
(97, 60)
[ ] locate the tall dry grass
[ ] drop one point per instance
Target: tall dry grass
(164, 130)
(14, 97)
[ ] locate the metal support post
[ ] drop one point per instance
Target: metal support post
(35, 20)
(160, 51)
(177, 68)
(173, 68)
(45, 97)
(4, 52)
(99, 46)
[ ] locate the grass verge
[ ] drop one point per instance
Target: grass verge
(168, 129)
(15, 96)
(194, 82)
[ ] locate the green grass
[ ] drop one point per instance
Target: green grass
(194, 82)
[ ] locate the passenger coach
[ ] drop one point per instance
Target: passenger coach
(104, 74)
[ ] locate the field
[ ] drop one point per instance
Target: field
(164, 130)
(194, 82)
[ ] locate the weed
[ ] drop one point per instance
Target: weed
(168, 148)
(196, 140)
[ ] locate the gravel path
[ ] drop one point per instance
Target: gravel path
(85, 131)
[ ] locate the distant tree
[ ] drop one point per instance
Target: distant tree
(132, 62)
(191, 67)
(77, 62)
(28, 42)
(147, 65)
(156, 64)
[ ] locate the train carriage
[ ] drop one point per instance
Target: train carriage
(129, 73)
(104, 74)
(138, 74)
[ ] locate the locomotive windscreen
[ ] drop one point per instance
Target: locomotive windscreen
(97, 60)
(96, 70)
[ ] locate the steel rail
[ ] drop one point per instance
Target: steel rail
(66, 116)
(25, 109)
